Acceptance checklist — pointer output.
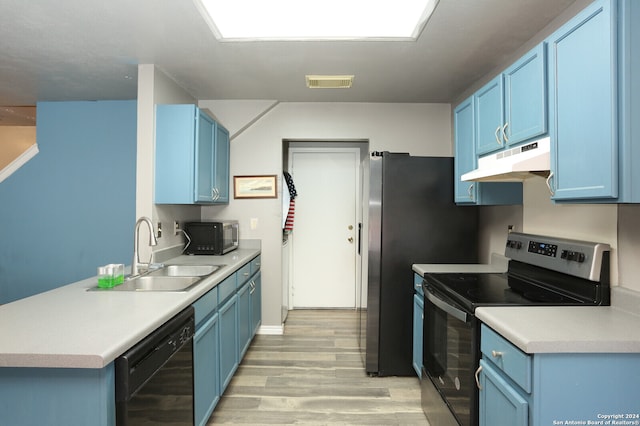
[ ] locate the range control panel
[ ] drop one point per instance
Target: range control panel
(544, 249)
(579, 258)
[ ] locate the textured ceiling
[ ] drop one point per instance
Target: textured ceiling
(87, 49)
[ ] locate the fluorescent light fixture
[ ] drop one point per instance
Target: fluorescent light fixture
(313, 20)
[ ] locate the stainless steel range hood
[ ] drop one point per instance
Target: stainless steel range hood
(513, 165)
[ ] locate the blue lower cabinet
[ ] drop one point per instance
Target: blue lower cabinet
(540, 389)
(255, 295)
(418, 320)
(501, 404)
(244, 318)
(228, 340)
(205, 364)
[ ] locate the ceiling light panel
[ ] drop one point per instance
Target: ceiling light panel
(307, 20)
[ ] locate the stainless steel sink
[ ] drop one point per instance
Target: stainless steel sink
(158, 283)
(167, 278)
(184, 271)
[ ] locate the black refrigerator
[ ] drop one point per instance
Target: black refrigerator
(412, 219)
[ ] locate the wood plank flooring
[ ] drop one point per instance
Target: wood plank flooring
(314, 375)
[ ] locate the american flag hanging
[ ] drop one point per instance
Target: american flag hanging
(288, 225)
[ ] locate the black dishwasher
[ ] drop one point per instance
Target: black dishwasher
(154, 379)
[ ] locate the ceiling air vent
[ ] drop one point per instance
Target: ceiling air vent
(329, 81)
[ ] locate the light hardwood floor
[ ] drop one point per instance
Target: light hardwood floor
(314, 375)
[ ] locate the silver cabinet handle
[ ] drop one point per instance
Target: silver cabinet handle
(253, 287)
(496, 354)
(478, 378)
(498, 140)
(549, 183)
(470, 191)
(504, 132)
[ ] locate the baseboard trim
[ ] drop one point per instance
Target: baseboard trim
(275, 330)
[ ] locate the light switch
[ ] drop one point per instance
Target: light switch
(254, 223)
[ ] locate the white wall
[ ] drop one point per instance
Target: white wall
(629, 246)
(420, 129)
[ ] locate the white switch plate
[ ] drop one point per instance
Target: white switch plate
(253, 223)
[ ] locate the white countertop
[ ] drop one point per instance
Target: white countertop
(70, 327)
(570, 329)
(498, 264)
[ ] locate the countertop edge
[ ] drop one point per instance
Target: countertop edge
(36, 354)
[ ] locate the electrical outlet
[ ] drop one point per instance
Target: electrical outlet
(159, 234)
(176, 227)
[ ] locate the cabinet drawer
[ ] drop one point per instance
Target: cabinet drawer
(255, 264)
(206, 305)
(417, 284)
(243, 274)
(506, 357)
(226, 288)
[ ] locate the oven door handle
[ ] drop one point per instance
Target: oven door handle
(451, 310)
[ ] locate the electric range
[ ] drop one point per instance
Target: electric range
(542, 271)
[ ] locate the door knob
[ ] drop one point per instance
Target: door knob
(350, 227)
(350, 239)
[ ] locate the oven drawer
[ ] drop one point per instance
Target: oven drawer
(504, 355)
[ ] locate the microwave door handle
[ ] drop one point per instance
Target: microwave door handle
(451, 310)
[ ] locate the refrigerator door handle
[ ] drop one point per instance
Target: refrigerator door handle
(359, 238)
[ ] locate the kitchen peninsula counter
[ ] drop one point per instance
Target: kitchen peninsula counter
(570, 329)
(71, 327)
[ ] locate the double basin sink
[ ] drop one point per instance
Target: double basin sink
(167, 278)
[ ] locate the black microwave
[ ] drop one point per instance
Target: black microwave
(215, 238)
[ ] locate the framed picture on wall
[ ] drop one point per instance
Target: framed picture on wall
(261, 186)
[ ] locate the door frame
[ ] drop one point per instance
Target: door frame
(360, 148)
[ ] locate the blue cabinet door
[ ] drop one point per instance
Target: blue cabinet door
(525, 97)
(476, 193)
(206, 380)
(192, 157)
(582, 102)
(256, 303)
(465, 156)
(489, 113)
(501, 404)
(204, 146)
(221, 161)
(175, 154)
(228, 341)
(244, 319)
(418, 318)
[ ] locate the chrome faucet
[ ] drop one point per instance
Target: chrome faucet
(136, 264)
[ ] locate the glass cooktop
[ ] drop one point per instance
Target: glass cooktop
(487, 289)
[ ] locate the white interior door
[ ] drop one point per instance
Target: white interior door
(324, 235)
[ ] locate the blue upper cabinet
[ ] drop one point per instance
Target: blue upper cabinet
(489, 115)
(221, 175)
(594, 77)
(465, 160)
(582, 93)
(192, 157)
(204, 146)
(476, 193)
(525, 97)
(512, 107)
